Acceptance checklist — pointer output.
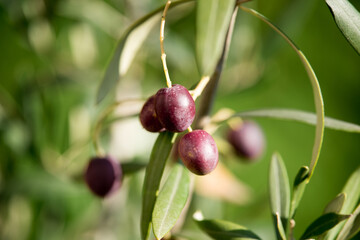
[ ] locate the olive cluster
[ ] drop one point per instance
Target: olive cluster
(173, 109)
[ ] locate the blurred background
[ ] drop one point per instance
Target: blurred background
(53, 57)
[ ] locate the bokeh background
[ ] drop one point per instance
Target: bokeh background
(53, 57)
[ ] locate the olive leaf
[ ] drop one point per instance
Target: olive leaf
(212, 23)
(127, 49)
(323, 224)
(319, 103)
(347, 19)
(224, 230)
(352, 192)
(153, 174)
(352, 226)
(336, 204)
(171, 201)
(300, 116)
(279, 189)
(299, 188)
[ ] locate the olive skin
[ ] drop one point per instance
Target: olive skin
(103, 176)
(175, 108)
(198, 151)
(148, 117)
(247, 140)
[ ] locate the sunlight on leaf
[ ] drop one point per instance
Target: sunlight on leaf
(279, 189)
(212, 22)
(171, 201)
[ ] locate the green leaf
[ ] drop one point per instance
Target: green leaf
(212, 23)
(280, 232)
(336, 204)
(319, 103)
(223, 230)
(352, 192)
(323, 224)
(347, 19)
(279, 188)
(300, 116)
(351, 227)
(171, 201)
(153, 174)
(299, 188)
(127, 49)
(132, 167)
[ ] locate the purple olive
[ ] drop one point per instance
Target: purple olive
(103, 176)
(175, 108)
(148, 117)
(247, 139)
(198, 151)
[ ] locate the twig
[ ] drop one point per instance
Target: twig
(163, 55)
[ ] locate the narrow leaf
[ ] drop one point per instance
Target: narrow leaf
(352, 226)
(127, 49)
(171, 201)
(212, 23)
(323, 224)
(153, 174)
(319, 103)
(352, 192)
(347, 19)
(224, 230)
(132, 167)
(279, 188)
(301, 116)
(336, 204)
(299, 188)
(280, 233)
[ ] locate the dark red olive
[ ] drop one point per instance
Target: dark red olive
(247, 139)
(103, 176)
(198, 151)
(148, 117)
(175, 108)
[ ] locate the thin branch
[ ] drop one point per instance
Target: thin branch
(163, 55)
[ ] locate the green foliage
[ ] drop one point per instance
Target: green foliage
(212, 23)
(171, 201)
(279, 190)
(154, 172)
(323, 224)
(220, 229)
(347, 19)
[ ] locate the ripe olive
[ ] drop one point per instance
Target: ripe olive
(175, 108)
(198, 151)
(103, 176)
(148, 117)
(247, 139)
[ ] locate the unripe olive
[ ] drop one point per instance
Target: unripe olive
(198, 151)
(248, 140)
(175, 108)
(103, 176)
(148, 117)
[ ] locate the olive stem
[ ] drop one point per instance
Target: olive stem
(200, 87)
(163, 55)
(98, 126)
